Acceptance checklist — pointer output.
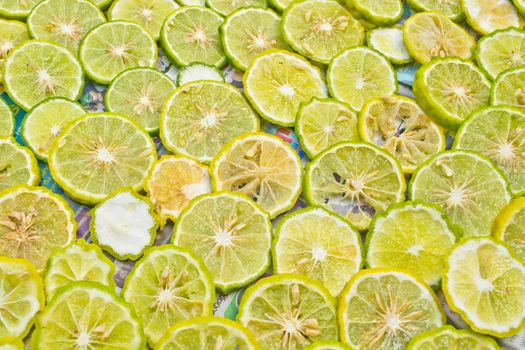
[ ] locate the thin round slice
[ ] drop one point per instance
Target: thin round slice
(198, 71)
(486, 16)
(327, 345)
(16, 9)
(389, 42)
(199, 118)
(140, 93)
(168, 285)
(385, 308)
(11, 343)
(359, 74)
(12, 33)
(450, 8)
(509, 224)
(90, 316)
(7, 119)
(261, 166)
(485, 284)
(192, 2)
(354, 180)
(112, 47)
(99, 154)
(379, 12)
(509, 89)
(226, 7)
(17, 165)
(449, 338)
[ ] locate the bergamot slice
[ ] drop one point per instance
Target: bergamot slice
(12, 33)
(486, 16)
(509, 89)
(17, 165)
(7, 119)
(450, 8)
(449, 338)
(389, 42)
(508, 226)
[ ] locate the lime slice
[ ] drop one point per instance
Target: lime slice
(484, 283)
(486, 16)
(288, 312)
(379, 12)
(99, 154)
(140, 93)
(12, 33)
(77, 262)
(168, 285)
(44, 122)
(230, 233)
(466, 185)
(389, 42)
(428, 35)
(318, 244)
(354, 180)
(200, 117)
(322, 123)
(508, 226)
(37, 70)
(201, 3)
(191, 34)
(413, 236)
(327, 345)
(280, 5)
(112, 47)
(357, 15)
(261, 166)
(11, 343)
(399, 126)
(449, 338)
(198, 71)
(501, 50)
(17, 165)
(509, 89)
(277, 81)
(173, 182)
(22, 295)
(87, 315)
(359, 74)
(249, 31)
(449, 8)
(226, 7)
(520, 6)
(450, 89)
(64, 22)
(16, 9)
(320, 29)
(7, 119)
(385, 308)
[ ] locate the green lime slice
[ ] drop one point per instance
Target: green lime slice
(248, 32)
(483, 282)
(64, 22)
(110, 48)
(397, 125)
(278, 81)
(280, 5)
(327, 345)
(379, 12)
(7, 119)
(466, 185)
(198, 71)
(12, 33)
(520, 6)
(44, 122)
(226, 7)
(87, 315)
(201, 3)
(354, 180)
(428, 35)
(17, 165)
(322, 123)
(37, 70)
(230, 233)
(11, 343)
(16, 9)
(99, 154)
(384, 308)
(191, 34)
(389, 42)
(449, 8)
(317, 244)
(288, 312)
(200, 117)
(140, 93)
(508, 226)
(320, 29)
(509, 89)
(450, 89)
(486, 16)
(359, 74)
(449, 338)
(168, 285)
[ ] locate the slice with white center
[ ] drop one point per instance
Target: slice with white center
(450, 8)
(7, 119)
(385, 308)
(449, 338)
(226, 7)
(379, 12)
(11, 343)
(16, 9)
(198, 71)
(327, 345)
(486, 16)
(168, 285)
(261, 166)
(389, 42)
(509, 224)
(12, 33)
(17, 165)
(509, 89)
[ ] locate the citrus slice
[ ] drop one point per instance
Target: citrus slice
(359, 74)
(397, 125)
(428, 35)
(191, 34)
(11, 343)
(379, 12)
(22, 295)
(509, 89)
(17, 165)
(327, 345)
(99, 154)
(140, 93)
(7, 119)
(249, 31)
(168, 285)
(520, 6)
(192, 2)
(200, 117)
(389, 42)
(450, 8)
(198, 71)
(354, 180)
(90, 316)
(12, 33)
(318, 244)
(486, 16)
(37, 70)
(288, 312)
(385, 308)
(226, 7)
(64, 22)
(77, 262)
(450, 89)
(413, 236)
(466, 185)
(484, 283)
(320, 29)
(44, 122)
(16, 9)
(110, 48)
(261, 166)
(277, 81)
(508, 226)
(449, 338)
(322, 123)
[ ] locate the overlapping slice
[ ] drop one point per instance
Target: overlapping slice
(198, 71)
(389, 42)
(327, 345)
(379, 12)
(486, 16)
(450, 8)
(449, 338)
(509, 89)
(12, 33)
(226, 7)
(17, 165)
(508, 226)
(7, 119)
(16, 9)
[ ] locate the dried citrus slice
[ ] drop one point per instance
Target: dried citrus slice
(7, 119)
(389, 42)
(327, 345)
(508, 226)
(17, 165)
(226, 7)
(509, 89)
(379, 12)
(11, 343)
(12, 33)
(450, 8)
(486, 16)
(449, 338)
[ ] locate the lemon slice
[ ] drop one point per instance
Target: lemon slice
(389, 42)
(449, 338)
(17, 165)
(7, 119)
(509, 89)
(486, 16)
(12, 33)
(11, 343)
(327, 345)
(450, 8)
(508, 226)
